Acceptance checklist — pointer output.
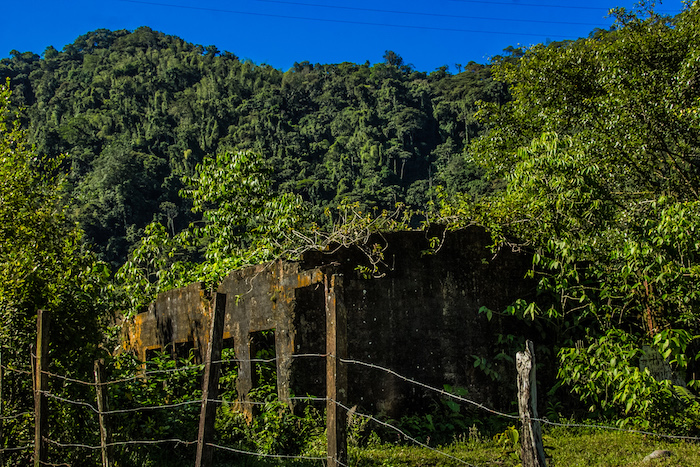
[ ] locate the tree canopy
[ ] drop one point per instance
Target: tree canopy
(43, 265)
(599, 154)
(135, 112)
(242, 221)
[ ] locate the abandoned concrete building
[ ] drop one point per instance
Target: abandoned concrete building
(416, 313)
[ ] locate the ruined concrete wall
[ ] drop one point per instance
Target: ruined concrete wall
(422, 320)
(259, 298)
(264, 297)
(179, 316)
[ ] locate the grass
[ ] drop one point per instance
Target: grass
(614, 448)
(565, 447)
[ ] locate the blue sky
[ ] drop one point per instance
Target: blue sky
(427, 34)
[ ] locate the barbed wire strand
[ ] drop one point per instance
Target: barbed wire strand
(19, 415)
(259, 454)
(121, 411)
(16, 370)
(223, 447)
(20, 448)
(167, 406)
(121, 443)
(426, 386)
(170, 406)
(137, 377)
(495, 412)
(403, 433)
(269, 360)
(360, 363)
(616, 428)
(239, 401)
(54, 465)
(197, 366)
(180, 441)
(67, 378)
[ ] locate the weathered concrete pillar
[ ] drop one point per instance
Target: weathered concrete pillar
(244, 380)
(284, 348)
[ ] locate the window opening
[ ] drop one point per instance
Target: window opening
(264, 366)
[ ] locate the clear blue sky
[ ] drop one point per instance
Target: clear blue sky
(427, 34)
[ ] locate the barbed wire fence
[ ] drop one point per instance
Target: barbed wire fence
(91, 406)
(95, 410)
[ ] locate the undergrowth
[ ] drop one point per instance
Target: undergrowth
(450, 435)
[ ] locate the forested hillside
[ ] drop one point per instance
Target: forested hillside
(136, 111)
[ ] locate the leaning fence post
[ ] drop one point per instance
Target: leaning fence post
(41, 364)
(102, 407)
(531, 447)
(336, 372)
(210, 383)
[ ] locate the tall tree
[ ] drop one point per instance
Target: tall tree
(241, 221)
(600, 155)
(43, 265)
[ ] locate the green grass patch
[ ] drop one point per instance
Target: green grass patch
(568, 447)
(565, 447)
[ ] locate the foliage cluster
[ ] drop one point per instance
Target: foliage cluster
(137, 111)
(242, 222)
(163, 380)
(599, 156)
(43, 265)
(173, 381)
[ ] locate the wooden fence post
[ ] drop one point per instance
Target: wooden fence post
(2, 377)
(102, 406)
(41, 364)
(210, 383)
(531, 447)
(336, 371)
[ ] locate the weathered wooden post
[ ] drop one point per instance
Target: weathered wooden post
(531, 447)
(336, 371)
(2, 376)
(102, 407)
(210, 383)
(41, 383)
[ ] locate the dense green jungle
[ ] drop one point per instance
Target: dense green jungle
(133, 162)
(135, 112)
